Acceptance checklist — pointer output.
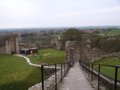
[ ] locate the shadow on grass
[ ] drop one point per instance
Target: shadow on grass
(33, 78)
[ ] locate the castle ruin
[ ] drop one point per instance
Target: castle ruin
(9, 44)
(81, 51)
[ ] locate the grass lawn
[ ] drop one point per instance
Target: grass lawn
(50, 56)
(16, 74)
(108, 71)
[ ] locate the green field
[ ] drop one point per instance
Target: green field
(112, 32)
(108, 71)
(48, 56)
(16, 74)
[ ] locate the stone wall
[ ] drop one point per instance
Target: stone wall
(49, 84)
(72, 51)
(104, 55)
(57, 43)
(8, 44)
(2, 45)
(85, 49)
(82, 51)
(78, 50)
(96, 53)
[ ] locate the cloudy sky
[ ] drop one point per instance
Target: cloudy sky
(58, 13)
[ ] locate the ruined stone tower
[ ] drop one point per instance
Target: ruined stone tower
(85, 50)
(73, 52)
(9, 44)
(79, 51)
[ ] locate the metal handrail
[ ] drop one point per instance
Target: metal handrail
(115, 77)
(110, 65)
(91, 70)
(63, 71)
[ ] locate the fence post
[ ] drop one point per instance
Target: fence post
(99, 77)
(64, 69)
(67, 67)
(92, 71)
(61, 72)
(42, 76)
(116, 75)
(55, 77)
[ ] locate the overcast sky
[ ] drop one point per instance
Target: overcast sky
(58, 13)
